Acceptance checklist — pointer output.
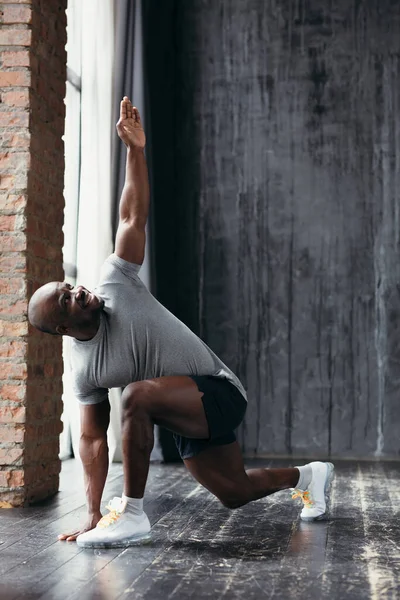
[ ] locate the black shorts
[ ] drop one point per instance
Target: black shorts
(224, 406)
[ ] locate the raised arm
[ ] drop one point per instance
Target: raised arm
(93, 450)
(134, 204)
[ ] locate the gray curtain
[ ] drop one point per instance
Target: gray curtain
(125, 12)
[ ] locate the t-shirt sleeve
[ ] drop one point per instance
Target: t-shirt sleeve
(94, 397)
(130, 270)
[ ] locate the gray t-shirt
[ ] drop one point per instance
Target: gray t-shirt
(137, 339)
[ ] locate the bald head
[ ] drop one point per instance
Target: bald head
(43, 308)
(60, 308)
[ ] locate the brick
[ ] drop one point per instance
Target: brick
(12, 499)
(7, 182)
(19, 58)
(13, 393)
(13, 242)
(11, 456)
(11, 479)
(11, 370)
(16, 479)
(15, 139)
(21, 180)
(12, 263)
(10, 414)
(15, 161)
(20, 222)
(5, 162)
(7, 223)
(14, 119)
(12, 349)
(12, 285)
(12, 202)
(16, 98)
(15, 78)
(16, 14)
(15, 37)
(12, 433)
(13, 329)
(11, 307)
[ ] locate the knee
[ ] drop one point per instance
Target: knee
(233, 498)
(232, 503)
(135, 399)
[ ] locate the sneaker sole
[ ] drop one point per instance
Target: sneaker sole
(132, 541)
(327, 491)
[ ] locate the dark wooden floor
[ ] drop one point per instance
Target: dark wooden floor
(202, 550)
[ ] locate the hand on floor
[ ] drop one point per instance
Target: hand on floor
(89, 525)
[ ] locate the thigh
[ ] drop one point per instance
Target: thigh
(224, 407)
(221, 470)
(173, 402)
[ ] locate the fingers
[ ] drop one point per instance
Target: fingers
(127, 111)
(137, 116)
(128, 108)
(122, 109)
(69, 537)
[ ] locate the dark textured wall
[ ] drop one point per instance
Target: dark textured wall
(278, 215)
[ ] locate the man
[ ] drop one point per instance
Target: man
(124, 338)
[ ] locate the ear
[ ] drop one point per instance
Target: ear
(61, 330)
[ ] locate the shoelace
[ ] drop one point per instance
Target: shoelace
(109, 519)
(305, 496)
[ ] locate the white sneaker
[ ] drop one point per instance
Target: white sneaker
(117, 529)
(316, 497)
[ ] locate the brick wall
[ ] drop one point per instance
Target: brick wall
(32, 89)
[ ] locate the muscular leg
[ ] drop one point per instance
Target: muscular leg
(220, 469)
(174, 403)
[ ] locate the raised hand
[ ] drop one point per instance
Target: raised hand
(129, 126)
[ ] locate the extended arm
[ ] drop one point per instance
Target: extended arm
(134, 204)
(93, 450)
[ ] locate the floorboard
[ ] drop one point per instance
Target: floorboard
(200, 549)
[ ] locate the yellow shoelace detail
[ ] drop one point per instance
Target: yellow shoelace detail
(109, 519)
(305, 496)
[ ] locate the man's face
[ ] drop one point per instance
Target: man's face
(71, 307)
(76, 302)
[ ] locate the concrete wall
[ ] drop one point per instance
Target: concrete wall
(277, 219)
